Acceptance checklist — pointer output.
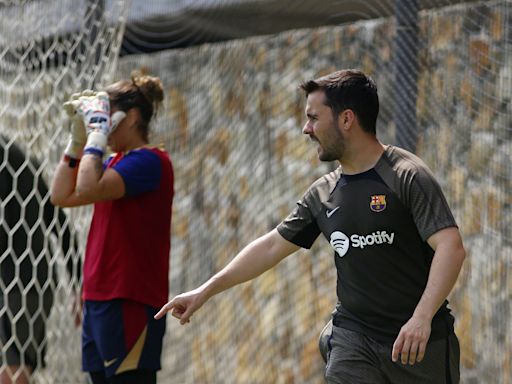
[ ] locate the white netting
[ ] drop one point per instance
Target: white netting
(48, 50)
(231, 122)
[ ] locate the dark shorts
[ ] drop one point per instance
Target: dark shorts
(23, 329)
(354, 358)
(121, 335)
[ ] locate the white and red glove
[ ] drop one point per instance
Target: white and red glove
(77, 134)
(94, 111)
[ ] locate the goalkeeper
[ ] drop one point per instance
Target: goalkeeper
(397, 248)
(126, 266)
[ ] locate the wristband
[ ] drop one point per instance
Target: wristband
(72, 162)
(96, 143)
(93, 151)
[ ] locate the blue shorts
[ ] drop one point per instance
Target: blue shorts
(121, 335)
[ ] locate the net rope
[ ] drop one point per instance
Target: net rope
(49, 49)
(231, 122)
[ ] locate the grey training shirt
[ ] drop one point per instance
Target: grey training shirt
(378, 223)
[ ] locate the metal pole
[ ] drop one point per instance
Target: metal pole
(405, 66)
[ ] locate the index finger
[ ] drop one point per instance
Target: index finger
(166, 308)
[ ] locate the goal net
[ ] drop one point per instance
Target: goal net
(231, 122)
(49, 49)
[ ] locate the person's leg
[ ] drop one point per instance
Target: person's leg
(352, 359)
(127, 338)
(17, 367)
(91, 358)
(11, 369)
(99, 378)
(439, 366)
(454, 359)
(15, 374)
(139, 376)
(143, 336)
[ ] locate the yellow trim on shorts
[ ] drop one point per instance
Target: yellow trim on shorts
(131, 361)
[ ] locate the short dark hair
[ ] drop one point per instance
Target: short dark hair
(349, 89)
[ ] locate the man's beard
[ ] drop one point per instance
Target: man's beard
(334, 148)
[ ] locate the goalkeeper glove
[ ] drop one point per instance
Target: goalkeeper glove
(77, 135)
(95, 113)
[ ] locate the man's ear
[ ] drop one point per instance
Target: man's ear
(346, 119)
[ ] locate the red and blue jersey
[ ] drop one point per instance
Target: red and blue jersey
(128, 247)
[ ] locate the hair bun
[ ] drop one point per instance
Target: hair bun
(150, 86)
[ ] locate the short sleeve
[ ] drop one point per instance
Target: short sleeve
(141, 171)
(414, 183)
(300, 226)
(428, 204)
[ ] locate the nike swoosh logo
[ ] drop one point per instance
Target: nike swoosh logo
(108, 363)
(331, 212)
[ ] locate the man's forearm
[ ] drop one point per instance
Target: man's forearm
(257, 257)
(445, 268)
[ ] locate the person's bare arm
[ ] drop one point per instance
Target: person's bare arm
(86, 184)
(256, 258)
(91, 125)
(446, 264)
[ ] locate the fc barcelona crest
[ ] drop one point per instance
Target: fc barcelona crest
(378, 203)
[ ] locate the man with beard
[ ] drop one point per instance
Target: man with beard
(397, 248)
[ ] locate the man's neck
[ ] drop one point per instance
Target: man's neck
(362, 157)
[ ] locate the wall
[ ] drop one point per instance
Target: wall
(232, 123)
